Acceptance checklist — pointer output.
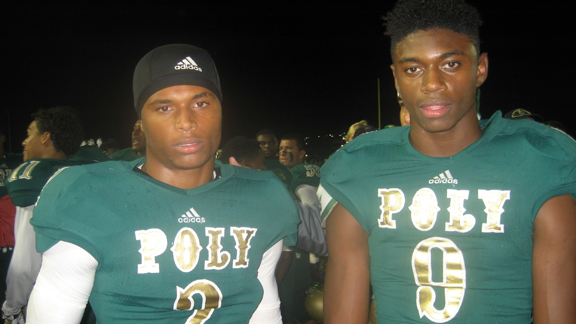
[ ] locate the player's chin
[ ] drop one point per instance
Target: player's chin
(194, 161)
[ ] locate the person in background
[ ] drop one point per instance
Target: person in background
(138, 148)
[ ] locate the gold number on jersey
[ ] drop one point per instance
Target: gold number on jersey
(392, 202)
(211, 299)
(312, 170)
(454, 279)
(27, 171)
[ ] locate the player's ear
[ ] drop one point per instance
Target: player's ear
(232, 161)
(482, 72)
(45, 138)
(395, 80)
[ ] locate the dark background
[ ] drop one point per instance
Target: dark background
(306, 67)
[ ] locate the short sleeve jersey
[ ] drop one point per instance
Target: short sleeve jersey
(168, 255)
(8, 163)
(450, 238)
(28, 179)
(305, 173)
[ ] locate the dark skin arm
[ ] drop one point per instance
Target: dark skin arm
(554, 262)
(347, 283)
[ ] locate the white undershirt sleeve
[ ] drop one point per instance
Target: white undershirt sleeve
(268, 312)
(307, 195)
(63, 285)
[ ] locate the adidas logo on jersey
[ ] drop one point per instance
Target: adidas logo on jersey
(191, 216)
(188, 64)
(444, 177)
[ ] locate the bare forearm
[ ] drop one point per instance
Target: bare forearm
(346, 295)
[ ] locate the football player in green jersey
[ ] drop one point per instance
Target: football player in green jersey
(173, 237)
(304, 175)
(53, 136)
(269, 145)
(451, 220)
(311, 236)
(138, 148)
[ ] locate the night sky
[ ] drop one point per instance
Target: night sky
(305, 67)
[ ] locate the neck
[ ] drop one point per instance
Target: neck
(446, 143)
(180, 178)
(53, 154)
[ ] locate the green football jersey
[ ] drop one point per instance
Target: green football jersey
(450, 238)
(7, 164)
(126, 154)
(168, 255)
(304, 173)
(90, 153)
(28, 179)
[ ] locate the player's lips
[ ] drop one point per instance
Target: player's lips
(188, 145)
(434, 108)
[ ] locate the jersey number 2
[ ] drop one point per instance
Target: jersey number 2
(211, 299)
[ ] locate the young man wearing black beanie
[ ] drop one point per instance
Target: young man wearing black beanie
(173, 237)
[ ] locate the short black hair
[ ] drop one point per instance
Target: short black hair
(409, 16)
(364, 129)
(64, 127)
(266, 132)
(299, 141)
(110, 143)
(241, 148)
